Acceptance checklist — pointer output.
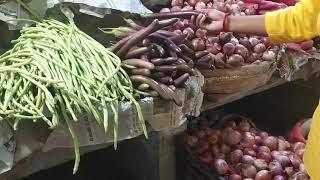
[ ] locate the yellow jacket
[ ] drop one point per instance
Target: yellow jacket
(297, 23)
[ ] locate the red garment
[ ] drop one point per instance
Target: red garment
(295, 135)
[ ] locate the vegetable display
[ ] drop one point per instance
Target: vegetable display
(241, 151)
(158, 60)
(57, 67)
(225, 49)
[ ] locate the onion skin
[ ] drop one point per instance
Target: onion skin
(221, 166)
(283, 160)
(279, 177)
(295, 160)
(235, 156)
(263, 175)
(235, 177)
(206, 157)
(248, 171)
(228, 48)
(265, 156)
(269, 56)
(275, 167)
(260, 164)
(233, 137)
(271, 142)
(244, 126)
(298, 145)
(264, 149)
(246, 159)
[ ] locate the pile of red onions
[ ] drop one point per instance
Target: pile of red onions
(224, 50)
(240, 151)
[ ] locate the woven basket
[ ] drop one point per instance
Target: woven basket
(245, 78)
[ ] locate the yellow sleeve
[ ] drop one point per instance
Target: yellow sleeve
(295, 23)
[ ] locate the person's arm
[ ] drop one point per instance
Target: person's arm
(292, 24)
(248, 25)
(295, 23)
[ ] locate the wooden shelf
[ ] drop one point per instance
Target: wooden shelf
(222, 99)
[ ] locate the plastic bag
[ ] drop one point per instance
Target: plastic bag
(7, 147)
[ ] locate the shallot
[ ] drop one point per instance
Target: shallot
(236, 156)
(263, 175)
(248, 170)
(271, 142)
(275, 167)
(221, 166)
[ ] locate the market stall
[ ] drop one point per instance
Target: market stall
(77, 77)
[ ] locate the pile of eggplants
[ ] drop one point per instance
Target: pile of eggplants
(157, 59)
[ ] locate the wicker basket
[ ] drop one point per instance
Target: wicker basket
(245, 78)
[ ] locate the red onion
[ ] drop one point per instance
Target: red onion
(263, 175)
(192, 141)
(201, 134)
(295, 160)
(260, 164)
(215, 150)
(289, 171)
(228, 48)
(209, 5)
(241, 50)
(235, 60)
(235, 156)
(250, 152)
(246, 159)
(259, 48)
(206, 157)
(258, 140)
(233, 137)
(300, 153)
(165, 10)
(198, 44)
(225, 148)
(235, 9)
(177, 31)
(254, 130)
(213, 139)
(274, 154)
(213, 48)
(248, 139)
(302, 168)
(283, 160)
(279, 177)
(200, 5)
(220, 156)
(213, 39)
(221, 6)
(203, 146)
(177, 3)
(248, 171)
(255, 147)
(269, 56)
(225, 37)
(175, 8)
(234, 41)
(283, 145)
(190, 33)
(253, 41)
(244, 126)
(298, 145)
(187, 8)
(192, 2)
(275, 167)
(179, 25)
(232, 124)
(221, 166)
(264, 149)
(299, 176)
(265, 156)
(201, 33)
(271, 142)
(235, 177)
(263, 134)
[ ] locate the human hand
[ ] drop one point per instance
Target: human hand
(211, 20)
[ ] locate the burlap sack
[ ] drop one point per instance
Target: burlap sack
(245, 78)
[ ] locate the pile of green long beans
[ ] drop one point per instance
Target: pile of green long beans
(57, 67)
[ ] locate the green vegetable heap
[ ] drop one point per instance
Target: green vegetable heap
(57, 67)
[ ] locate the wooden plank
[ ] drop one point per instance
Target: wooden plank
(222, 99)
